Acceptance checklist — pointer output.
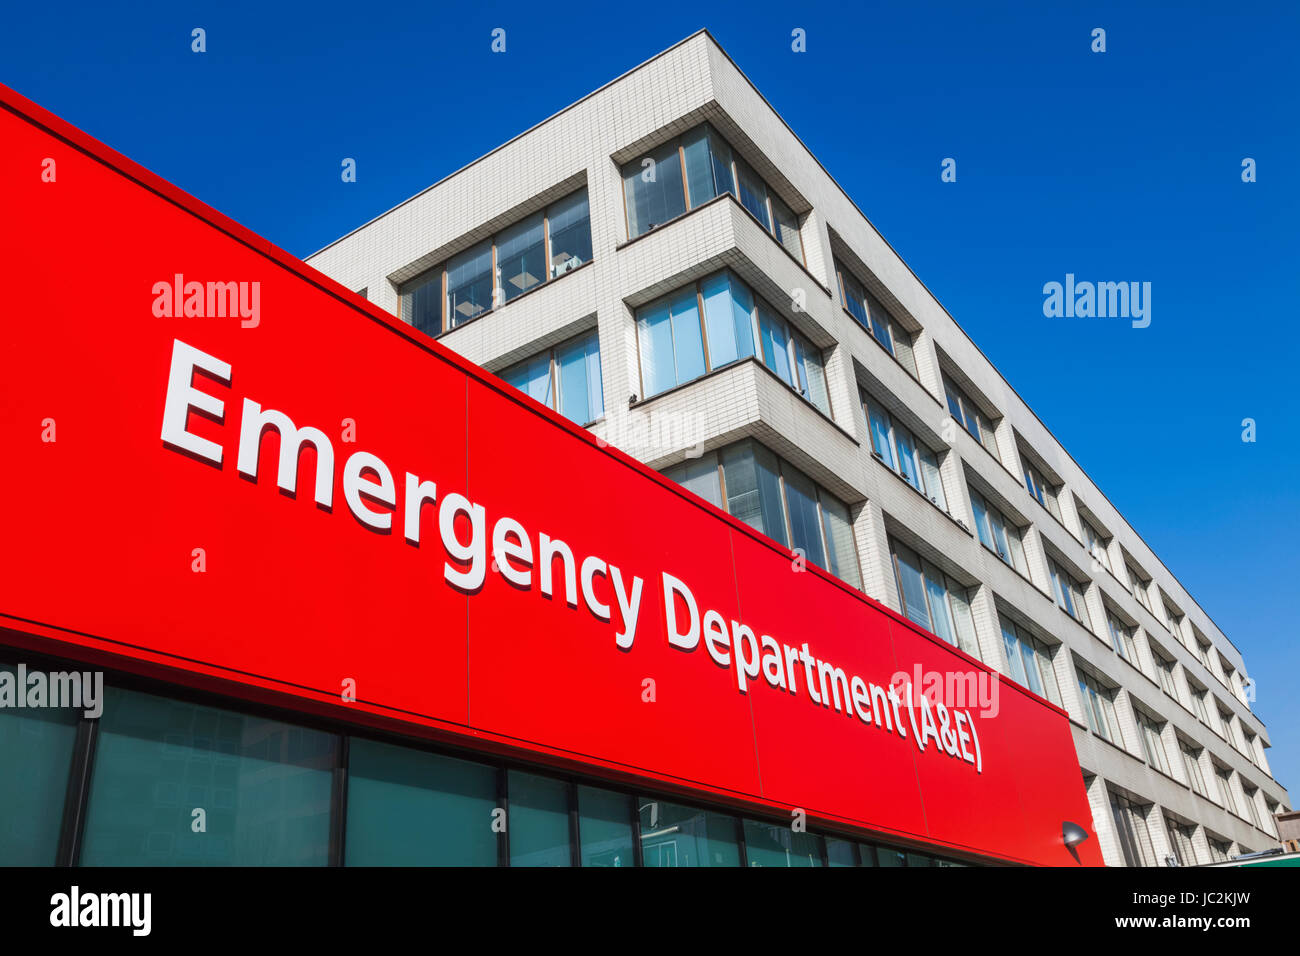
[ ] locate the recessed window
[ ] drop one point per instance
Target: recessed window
(1099, 704)
(716, 322)
(1030, 661)
(1044, 492)
(1121, 636)
(1139, 586)
(565, 378)
(1252, 812)
(1152, 743)
(1131, 827)
(1220, 850)
(1068, 594)
(1192, 765)
(1165, 671)
(934, 600)
(876, 319)
(1180, 841)
(569, 225)
(469, 284)
(519, 258)
(1203, 653)
(1225, 723)
(969, 416)
(693, 169)
(997, 533)
(1199, 695)
(772, 496)
(904, 453)
(1095, 543)
(1224, 777)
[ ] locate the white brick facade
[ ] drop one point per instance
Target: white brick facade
(586, 144)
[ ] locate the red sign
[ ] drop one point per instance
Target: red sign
(227, 471)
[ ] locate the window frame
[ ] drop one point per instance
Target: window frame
(1192, 767)
(797, 346)
(867, 402)
(1047, 495)
(1100, 719)
(820, 499)
(554, 376)
(734, 163)
(1009, 531)
(954, 394)
(497, 299)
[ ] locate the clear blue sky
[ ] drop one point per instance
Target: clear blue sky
(1117, 166)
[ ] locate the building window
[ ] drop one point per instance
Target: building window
(772, 496)
(1192, 764)
(569, 230)
(1252, 813)
(37, 745)
(716, 322)
(1165, 671)
(692, 170)
(1069, 594)
(1095, 543)
(876, 319)
(1138, 587)
(1198, 702)
(1121, 636)
(1154, 745)
(997, 533)
(1220, 850)
(969, 416)
(903, 452)
(1224, 776)
(266, 787)
(1099, 703)
(539, 820)
(1248, 743)
(1225, 723)
(526, 254)
(674, 835)
(1180, 841)
(422, 302)
(1131, 827)
(1030, 662)
(565, 378)
(469, 284)
(934, 600)
(1043, 492)
(775, 844)
(605, 824)
(1203, 653)
(410, 808)
(521, 257)
(653, 189)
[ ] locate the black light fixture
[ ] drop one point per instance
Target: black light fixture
(1073, 834)
(631, 400)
